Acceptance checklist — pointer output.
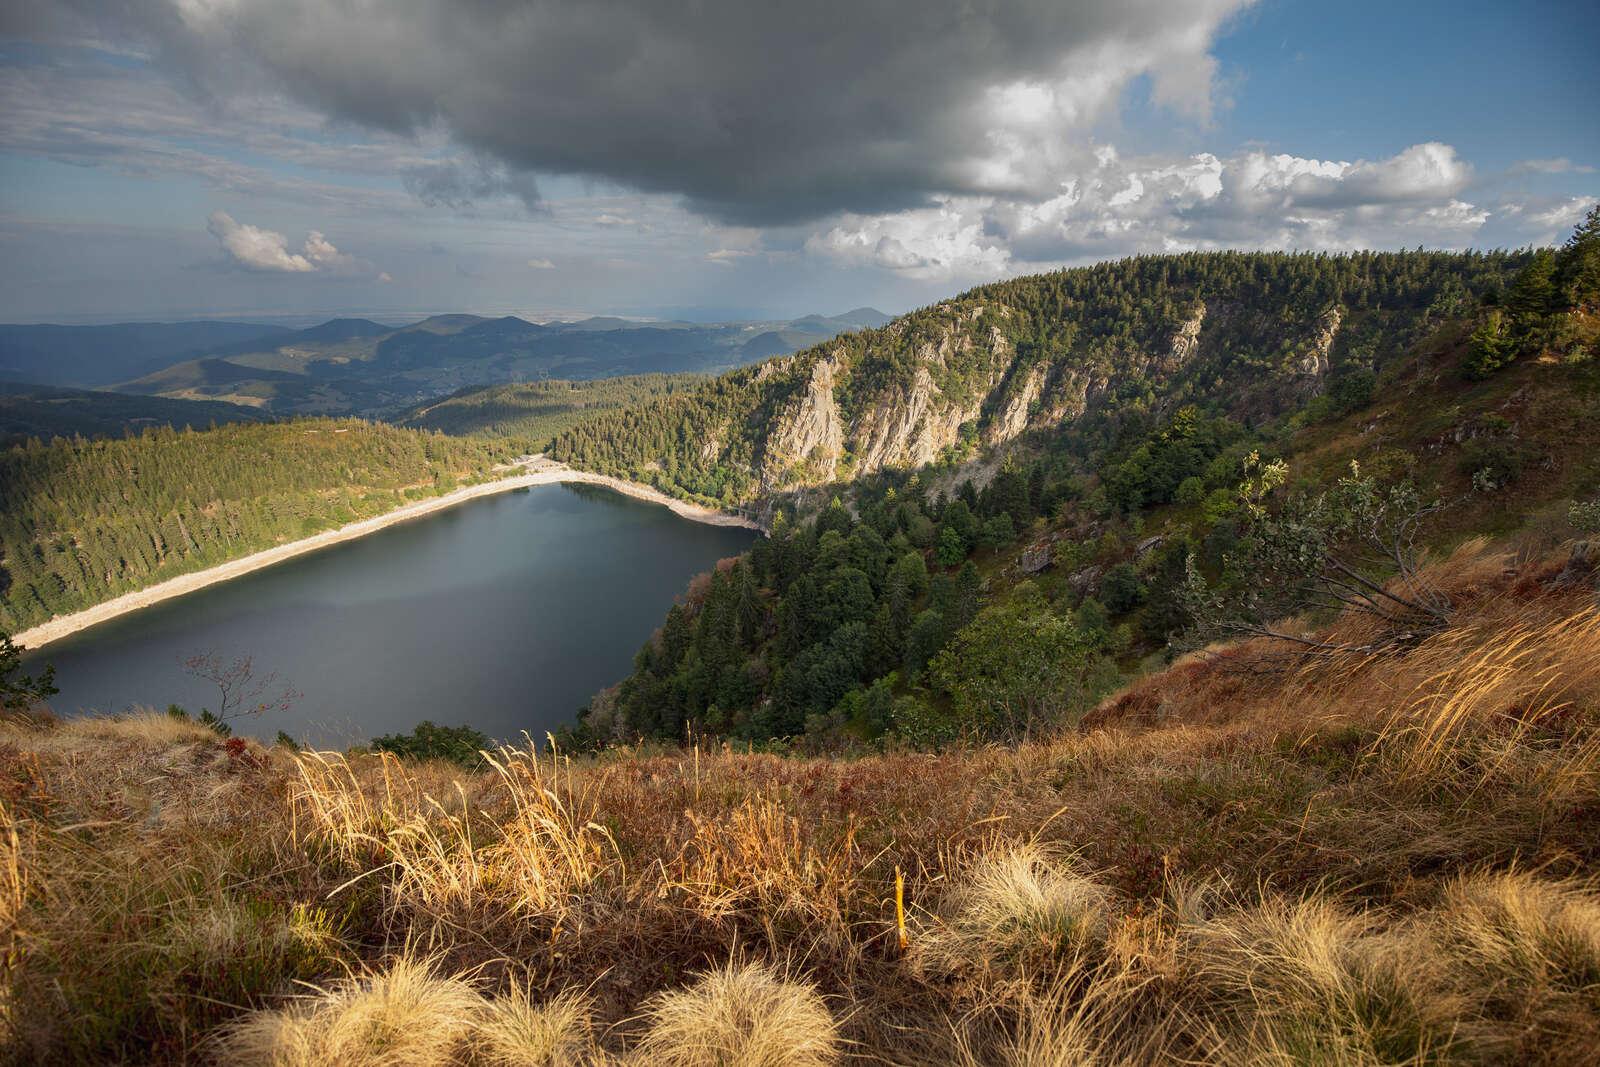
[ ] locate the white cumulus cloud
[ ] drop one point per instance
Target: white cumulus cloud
(938, 242)
(256, 248)
(261, 249)
(1106, 206)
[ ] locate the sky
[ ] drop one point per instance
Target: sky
(722, 159)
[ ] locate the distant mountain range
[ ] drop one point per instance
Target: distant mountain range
(89, 356)
(357, 366)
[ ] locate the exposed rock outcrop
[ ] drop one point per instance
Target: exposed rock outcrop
(961, 370)
(1314, 364)
(1185, 344)
(1011, 418)
(910, 420)
(810, 429)
(886, 427)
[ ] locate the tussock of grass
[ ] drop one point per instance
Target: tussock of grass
(1021, 908)
(1097, 1024)
(513, 1031)
(405, 1016)
(745, 1015)
(1315, 983)
(1525, 953)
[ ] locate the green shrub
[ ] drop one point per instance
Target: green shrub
(428, 740)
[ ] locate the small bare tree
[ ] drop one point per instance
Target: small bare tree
(240, 691)
(18, 691)
(1352, 548)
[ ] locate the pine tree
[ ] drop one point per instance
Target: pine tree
(1533, 294)
(1579, 262)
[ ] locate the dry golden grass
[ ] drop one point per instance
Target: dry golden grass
(1524, 953)
(746, 1015)
(1022, 908)
(1379, 860)
(513, 1031)
(144, 726)
(405, 1016)
(1311, 980)
(1087, 1023)
(13, 895)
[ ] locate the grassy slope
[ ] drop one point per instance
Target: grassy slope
(1375, 861)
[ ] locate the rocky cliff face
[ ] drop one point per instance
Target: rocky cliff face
(1012, 417)
(964, 369)
(809, 432)
(909, 420)
(1183, 347)
(1101, 352)
(1314, 363)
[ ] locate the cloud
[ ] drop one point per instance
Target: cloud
(320, 251)
(1555, 219)
(385, 277)
(541, 264)
(1113, 207)
(727, 257)
(256, 248)
(764, 114)
(457, 183)
(1557, 165)
(940, 242)
(1422, 172)
(125, 118)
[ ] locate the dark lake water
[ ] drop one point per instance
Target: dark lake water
(506, 613)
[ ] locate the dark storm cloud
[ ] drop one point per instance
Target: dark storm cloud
(755, 112)
(457, 184)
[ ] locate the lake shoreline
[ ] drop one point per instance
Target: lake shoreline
(536, 471)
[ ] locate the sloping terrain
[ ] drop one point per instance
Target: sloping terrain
(1370, 860)
(1251, 334)
(1047, 552)
(84, 521)
(44, 412)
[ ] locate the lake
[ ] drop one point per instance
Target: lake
(506, 613)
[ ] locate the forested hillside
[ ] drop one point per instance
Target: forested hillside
(1239, 478)
(83, 521)
(46, 411)
(1251, 335)
(531, 413)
